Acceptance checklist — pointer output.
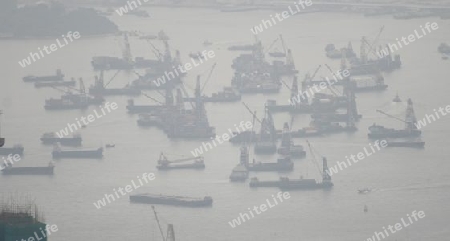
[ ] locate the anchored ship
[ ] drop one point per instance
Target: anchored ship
(48, 170)
(165, 164)
(406, 143)
(57, 153)
(55, 84)
(282, 165)
(171, 200)
(16, 149)
(58, 77)
(285, 183)
(50, 138)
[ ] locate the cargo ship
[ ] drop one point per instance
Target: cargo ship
(57, 153)
(166, 164)
(48, 170)
(171, 200)
(55, 84)
(58, 77)
(16, 149)
(50, 138)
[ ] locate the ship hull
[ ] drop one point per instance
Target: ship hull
(173, 201)
(62, 141)
(84, 154)
(420, 144)
(28, 171)
(181, 166)
(4, 151)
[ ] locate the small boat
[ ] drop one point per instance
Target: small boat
(197, 55)
(364, 190)
(207, 43)
(397, 99)
(110, 145)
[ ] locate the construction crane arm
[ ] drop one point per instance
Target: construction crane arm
(159, 225)
(209, 77)
(252, 113)
(384, 113)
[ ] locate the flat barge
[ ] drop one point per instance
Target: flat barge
(171, 200)
(84, 154)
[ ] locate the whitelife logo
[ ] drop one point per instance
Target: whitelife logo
(128, 188)
(130, 6)
(428, 119)
(411, 38)
(265, 24)
(48, 50)
(398, 226)
(361, 156)
(90, 118)
(225, 136)
(281, 196)
(187, 66)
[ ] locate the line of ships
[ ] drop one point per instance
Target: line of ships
(253, 74)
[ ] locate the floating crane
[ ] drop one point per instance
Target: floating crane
(410, 117)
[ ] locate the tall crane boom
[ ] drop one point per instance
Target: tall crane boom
(384, 113)
(159, 225)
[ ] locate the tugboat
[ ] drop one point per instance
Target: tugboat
(397, 99)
